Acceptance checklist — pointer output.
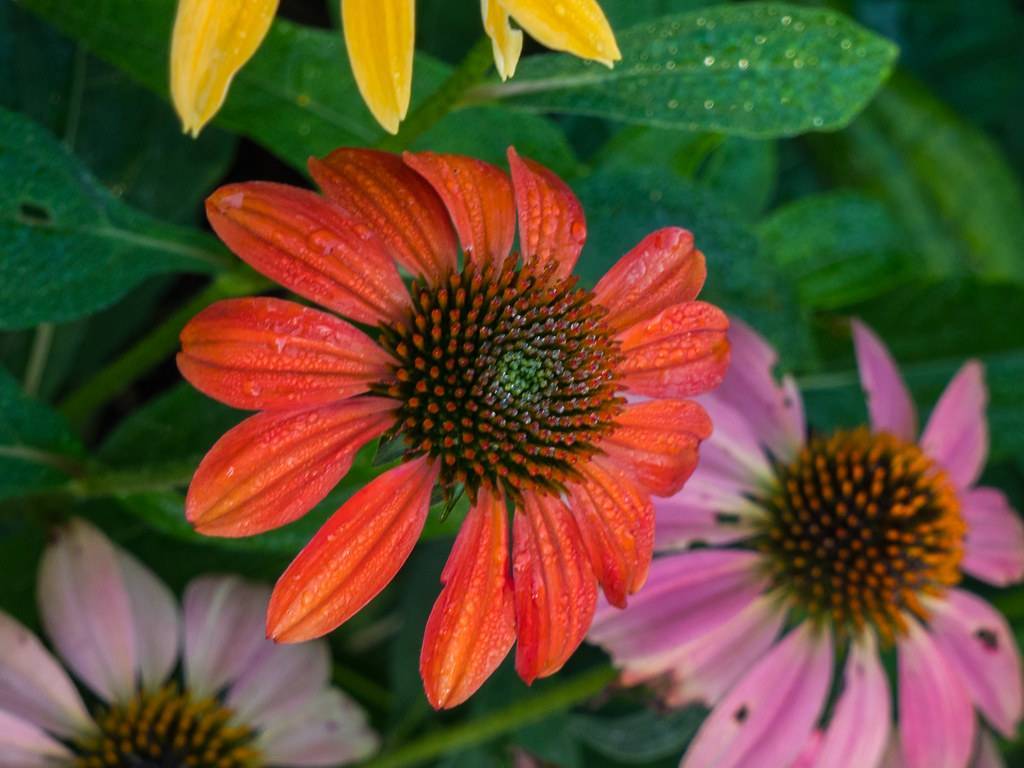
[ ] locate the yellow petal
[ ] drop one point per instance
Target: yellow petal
(507, 42)
(576, 26)
(380, 35)
(212, 41)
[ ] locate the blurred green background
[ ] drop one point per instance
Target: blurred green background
(822, 176)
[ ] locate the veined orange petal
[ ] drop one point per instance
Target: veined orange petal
(576, 26)
(354, 555)
(212, 40)
(381, 39)
(473, 624)
(662, 270)
(555, 590)
(506, 42)
(274, 467)
(380, 189)
(262, 353)
(616, 522)
(552, 226)
(478, 197)
(658, 441)
(680, 352)
(311, 246)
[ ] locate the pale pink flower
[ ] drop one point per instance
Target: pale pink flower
(196, 686)
(831, 550)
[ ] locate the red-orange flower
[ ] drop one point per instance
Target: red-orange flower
(505, 378)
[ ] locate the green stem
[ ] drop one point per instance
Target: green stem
(512, 717)
(474, 65)
(37, 358)
(118, 482)
(153, 348)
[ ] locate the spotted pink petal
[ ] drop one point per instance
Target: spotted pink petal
(889, 403)
(937, 723)
(658, 441)
(275, 466)
(616, 522)
(767, 718)
(994, 546)
(264, 353)
(34, 686)
(379, 189)
(772, 406)
(478, 197)
(957, 432)
(327, 730)
(685, 597)
(979, 645)
(354, 555)
(87, 611)
(859, 729)
(552, 227)
(473, 623)
(680, 352)
(555, 590)
(310, 246)
(662, 270)
(24, 745)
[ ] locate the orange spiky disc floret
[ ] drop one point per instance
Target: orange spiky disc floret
(861, 525)
(507, 376)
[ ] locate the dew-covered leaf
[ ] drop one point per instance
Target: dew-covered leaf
(640, 737)
(754, 69)
(67, 246)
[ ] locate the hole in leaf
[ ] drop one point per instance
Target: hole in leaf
(35, 214)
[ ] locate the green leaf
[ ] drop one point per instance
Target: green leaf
(641, 737)
(623, 207)
(67, 246)
(947, 182)
(296, 97)
(37, 449)
(757, 70)
(838, 248)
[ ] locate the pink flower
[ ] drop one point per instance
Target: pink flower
(828, 550)
(236, 699)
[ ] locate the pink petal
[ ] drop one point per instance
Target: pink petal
(34, 686)
(773, 407)
(859, 730)
(937, 724)
(155, 618)
(889, 403)
(330, 729)
(87, 611)
(681, 525)
(994, 546)
(23, 745)
(705, 669)
(223, 631)
(279, 678)
(552, 227)
(987, 754)
(685, 596)
(957, 432)
(767, 718)
(979, 645)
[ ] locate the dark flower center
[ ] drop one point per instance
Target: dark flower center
(860, 526)
(168, 728)
(505, 375)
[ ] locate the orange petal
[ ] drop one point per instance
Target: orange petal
(353, 556)
(274, 467)
(473, 623)
(616, 522)
(478, 197)
(658, 441)
(555, 591)
(263, 353)
(680, 352)
(662, 270)
(551, 222)
(310, 246)
(380, 189)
